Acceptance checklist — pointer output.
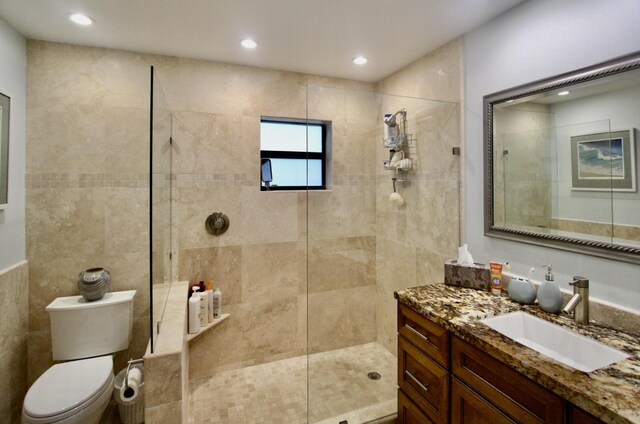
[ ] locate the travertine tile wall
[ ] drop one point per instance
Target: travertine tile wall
(261, 261)
(523, 165)
(414, 241)
(14, 304)
(625, 232)
(87, 197)
(167, 369)
(86, 181)
(341, 224)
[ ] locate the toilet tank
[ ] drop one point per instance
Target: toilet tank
(82, 329)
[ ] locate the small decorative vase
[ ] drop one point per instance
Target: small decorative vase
(94, 283)
(522, 291)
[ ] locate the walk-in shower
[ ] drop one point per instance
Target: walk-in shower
(307, 276)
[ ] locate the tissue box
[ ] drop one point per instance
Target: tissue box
(474, 277)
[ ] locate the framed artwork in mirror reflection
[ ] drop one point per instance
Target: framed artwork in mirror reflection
(604, 161)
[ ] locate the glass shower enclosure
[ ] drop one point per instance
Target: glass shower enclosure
(362, 245)
(160, 269)
(307, 275)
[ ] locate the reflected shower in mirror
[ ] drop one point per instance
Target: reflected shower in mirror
(5, 103)
(561, 161)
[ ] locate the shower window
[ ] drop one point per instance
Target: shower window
(297, 150)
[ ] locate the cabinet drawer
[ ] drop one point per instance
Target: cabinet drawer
(469, 408)
(516, 395)
(578, 416)
(424, 381)
(409, 413)
(431, 338)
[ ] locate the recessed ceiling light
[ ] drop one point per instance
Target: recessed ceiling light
(563, 93)
(360, 60)
(81, 19)
(248, 43)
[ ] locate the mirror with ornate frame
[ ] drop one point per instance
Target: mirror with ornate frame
(561, 161)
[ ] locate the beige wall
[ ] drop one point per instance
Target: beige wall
(14, 304)
(86, 181)
(415, 240)
(261, 261)
(341, 224)
(87, 197)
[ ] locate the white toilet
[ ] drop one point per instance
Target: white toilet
(78, 392)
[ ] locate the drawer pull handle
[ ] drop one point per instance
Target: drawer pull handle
(415, 380)
(417, 333)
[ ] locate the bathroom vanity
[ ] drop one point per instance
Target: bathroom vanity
(452, 368)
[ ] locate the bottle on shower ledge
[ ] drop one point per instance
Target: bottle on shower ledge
(217, 303)
(194, 310)
(209, 287)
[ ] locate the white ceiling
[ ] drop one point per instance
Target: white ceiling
(312, 36)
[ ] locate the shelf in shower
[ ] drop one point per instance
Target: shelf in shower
(208, 327)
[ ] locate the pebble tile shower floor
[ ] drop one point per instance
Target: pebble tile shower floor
(276, 392)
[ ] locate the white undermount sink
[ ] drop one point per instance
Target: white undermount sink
(554, 341)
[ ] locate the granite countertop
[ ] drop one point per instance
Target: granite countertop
(611, 393)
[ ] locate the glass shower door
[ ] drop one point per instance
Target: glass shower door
(160, 199)
(362, 247)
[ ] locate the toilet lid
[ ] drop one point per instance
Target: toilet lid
(67, 385)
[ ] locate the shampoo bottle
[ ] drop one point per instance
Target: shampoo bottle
(506, 275)
(217, 303)
(210, 300)
(204, 308)
(389, 132)
(194, 310)
(549, 295)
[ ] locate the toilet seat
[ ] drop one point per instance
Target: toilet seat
(67, 388)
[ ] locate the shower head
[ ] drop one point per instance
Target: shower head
(391, 120)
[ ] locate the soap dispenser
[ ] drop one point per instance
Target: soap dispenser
(549, 295)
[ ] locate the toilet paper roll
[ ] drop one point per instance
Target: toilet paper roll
(128, 393)
(135, 377)
(131, 388)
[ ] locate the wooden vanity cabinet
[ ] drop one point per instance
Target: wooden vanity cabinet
(444, 379)
(408, 412)
(470, 408)
(423, 361)
(514, 394)
(578, 416)
(428, 336)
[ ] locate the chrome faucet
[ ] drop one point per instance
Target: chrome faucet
(579, 302)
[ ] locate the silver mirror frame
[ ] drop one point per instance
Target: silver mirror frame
(594, 248)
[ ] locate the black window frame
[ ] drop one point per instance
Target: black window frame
(306, 155)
